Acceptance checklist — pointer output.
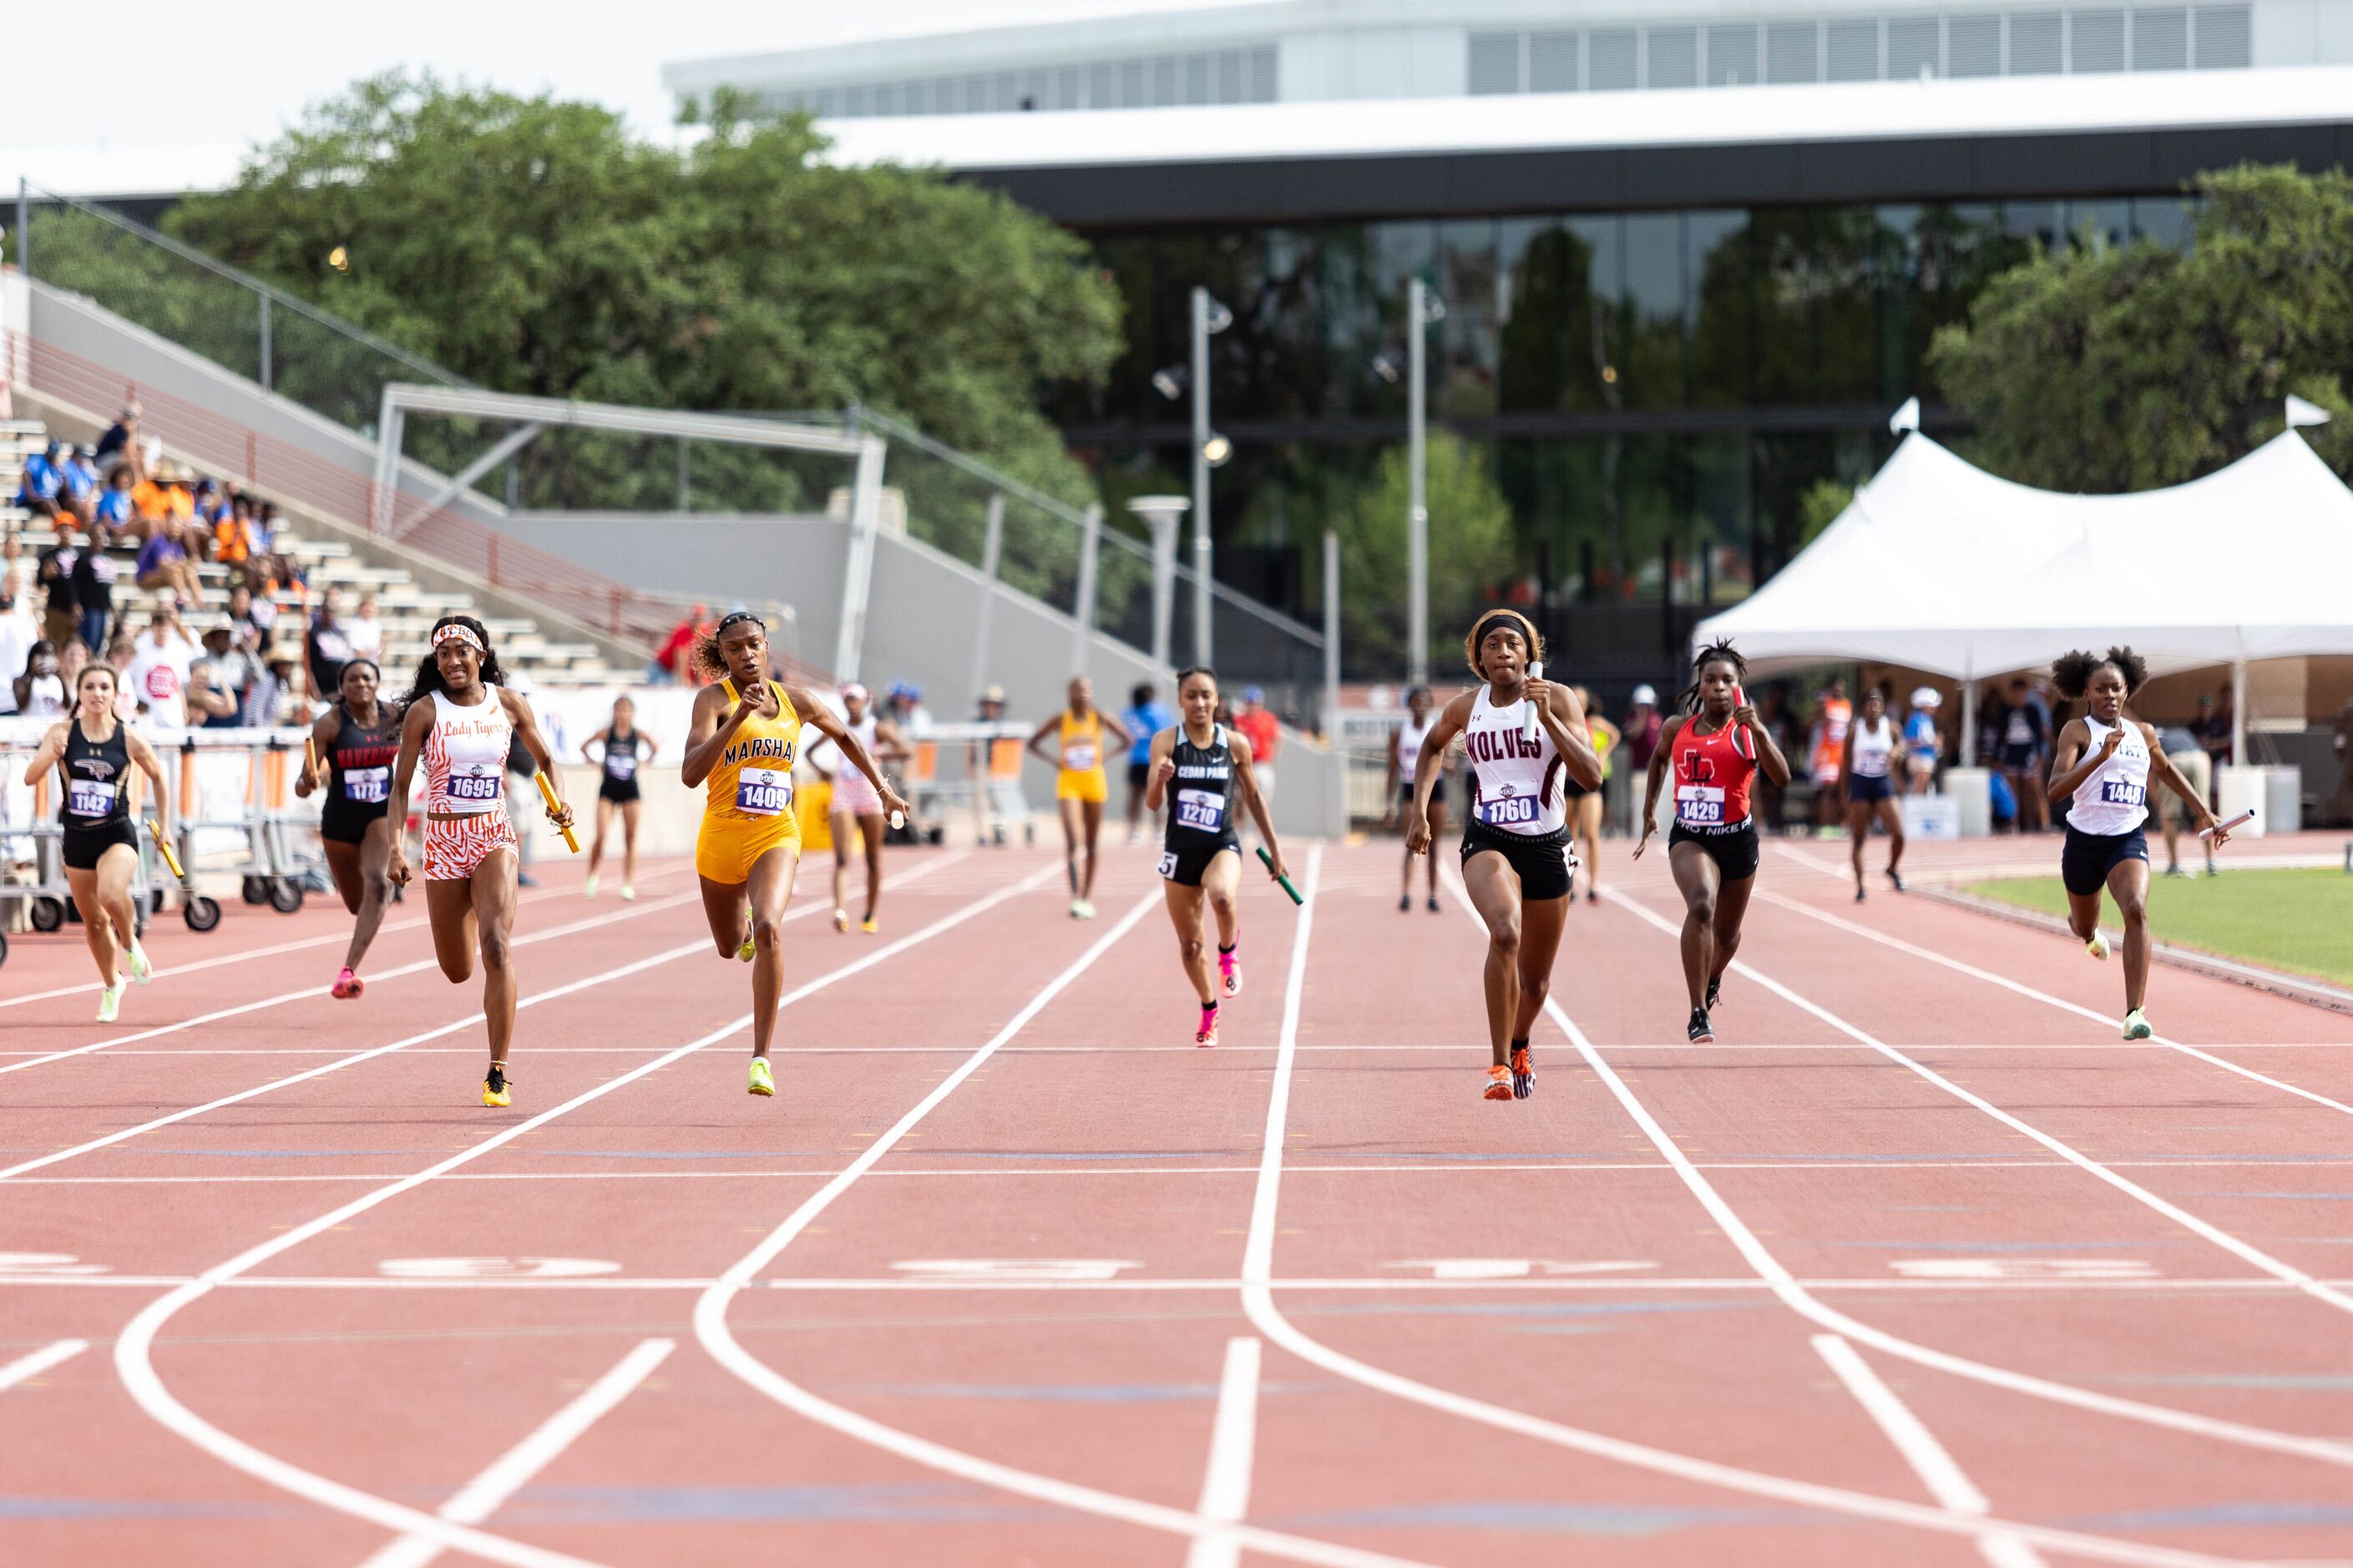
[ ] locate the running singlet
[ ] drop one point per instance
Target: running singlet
(1920, 738)
(1081, 742)
(1515, 783)
(753, 780)
(2115, 799)
(843, 768)
(466, 755)
(45, 697)
(360, 758)
(1872, 748)
(620, 763)
(1836, 714)
(95, 773)
(1711, 781)
(1409, 736)
(1200, 797)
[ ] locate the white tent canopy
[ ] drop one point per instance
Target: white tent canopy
(1939, 567)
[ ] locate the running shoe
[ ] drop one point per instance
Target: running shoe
(2137, 1026)
(2098, 946)
(588, 885)
(1524, 1073)
(1858, 895)
(140, 969)
(1078, 908)
(1433, 903)
(764, 1079)
(110, 1000)
(1592, 895)
(2175, 871)
(1405, 902)
(1230, 970)
(1894, 880)
(1715, 989)
(1206, 1034)
(1699, 1033)
(347, 985)
(1084, 909)
(871, 926)
(841, 920)
(1499, 1083)
(750, 949)
(628, 892)
(494, 1087)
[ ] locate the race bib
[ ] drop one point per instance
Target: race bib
(763, 792)
(621, 766)
(479, 789)
(1506, 810)
(90, 797)
(1202, 810)
(2118, 791)
(1079, 758)
(1699, 806)
(370, 786)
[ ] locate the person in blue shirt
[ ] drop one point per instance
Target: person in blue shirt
(1146, 717)
(78, 480)
(1923, 744)
(114, 504)
(43, 478)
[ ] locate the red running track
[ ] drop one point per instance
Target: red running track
(1915, 1265)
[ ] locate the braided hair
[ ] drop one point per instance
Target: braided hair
(2073, 672)
(1719, 651)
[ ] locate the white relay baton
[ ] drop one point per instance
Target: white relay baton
(1534, 728)
(2238, 821)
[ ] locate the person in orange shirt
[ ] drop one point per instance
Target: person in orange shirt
(1833, 716)
(233, 538)
(1257, 723)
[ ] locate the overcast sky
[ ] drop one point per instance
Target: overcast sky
(212, 79)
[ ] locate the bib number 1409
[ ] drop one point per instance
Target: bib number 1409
(763, 792)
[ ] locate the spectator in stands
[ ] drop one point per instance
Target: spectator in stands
(93, 580)
(2180, 746)
(114, 507)
(39, 486)
(159, 667)
(277, 698)
(1641, 729)
(674, 660)
(1257, 723)
(164, 564)
(235, 668)
(234, 541)
(161, 498)
(364, 632)
(328, 649)
(1923, 744)
(252, 628)
(211, 704)
(1146, 717)
(78, 476)
(40, 690)
(904, 707)
(2025, 741)
(121, 441)
(55, 571)
(20, 633)
(271, 548)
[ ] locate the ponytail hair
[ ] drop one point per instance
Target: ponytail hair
(1721, 651)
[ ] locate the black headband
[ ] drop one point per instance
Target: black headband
(1512, 618)
(731, 617)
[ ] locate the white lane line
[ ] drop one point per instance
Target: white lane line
(470, 1019)
(298, 945)
(712, 1329)
(2007, 984)
(309, 990)
(1258, 1302)
(1929, 1459)
(135, 1349)
(1233, 1443)
(1794, 1295)
(512, 1471)
(27, 1367)
(1936, 1289)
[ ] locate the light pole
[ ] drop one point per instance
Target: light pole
(1162, 515)
(1423, 308)
(1210, 451)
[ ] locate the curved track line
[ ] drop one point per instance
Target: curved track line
(1988, 976)
(711, 1328)
(1258, 1300)
(1795, 1296)
(133, 1350)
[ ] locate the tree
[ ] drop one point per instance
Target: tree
(1469, 551)
(2103, 370)
(1820, 507)
(532, 245)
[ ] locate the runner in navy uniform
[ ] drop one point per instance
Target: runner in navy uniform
(1202, 769)
(624, 747)
(352, 746)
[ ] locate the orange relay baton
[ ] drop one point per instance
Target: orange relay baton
(547, 793)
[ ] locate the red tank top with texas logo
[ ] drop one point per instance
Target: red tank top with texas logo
(1711, 781)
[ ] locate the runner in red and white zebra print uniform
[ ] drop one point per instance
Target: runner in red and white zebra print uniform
(465, 785)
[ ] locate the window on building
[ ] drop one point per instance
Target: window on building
(1792, 52)
(1732, 56)
(2095, 42)
(1552, 62)
(1973, 47)
(1915, 47)
(1674, 57)
(2224, 38)
(1612, 59)
(1494, 63)
(2038, 43)
(1854, 51)
(2160, 39)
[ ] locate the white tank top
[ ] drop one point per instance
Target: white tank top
(843, 768)
(45, 696)
(1515, 783)
(1872, 748)
(466, 755)
(1409, 736)
(2115, 799)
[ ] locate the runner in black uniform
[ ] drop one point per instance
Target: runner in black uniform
(351, 750)
(94, 753)
(1203, 770)
(625, 746)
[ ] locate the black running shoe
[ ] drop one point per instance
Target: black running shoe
(1524, 1073)
(1858, 895)
(1405, 902)
(1894, 880)
(1699, 1032)
(1433, 903)
(1715, 989)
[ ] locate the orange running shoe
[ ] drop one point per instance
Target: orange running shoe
(1499, 1083)
(1524, 1073)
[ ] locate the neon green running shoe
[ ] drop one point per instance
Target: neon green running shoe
(140, 969)
(750, 947)
(2137, 1026)
(763, 1082)
(109, 1001)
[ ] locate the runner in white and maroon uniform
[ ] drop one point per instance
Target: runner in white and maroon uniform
(460, 718)
(1523, 737)
(1716, 747)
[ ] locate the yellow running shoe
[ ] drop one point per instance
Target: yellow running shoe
(110, 999)
(2098, 946)
(494, 1087)
(871, 926)
(751, 946)
(764, 1080)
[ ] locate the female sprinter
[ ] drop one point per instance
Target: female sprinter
(2102, 766)
(1205, 766)
(1585, 805)
(1712, 845)
(1404, 758)
(857, 811)
(1515, 843)
(742, 740)
(1080, 789)
(621, 747)
(94, 753)
(352, 748)
(460, 718)
(1869, 763)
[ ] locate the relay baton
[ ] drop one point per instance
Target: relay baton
(1533, 727)
(898, 820)
(1742, 741)
(1284, 880)
(547, 793)
(163, 848)
(310, 752)
(2241, 820)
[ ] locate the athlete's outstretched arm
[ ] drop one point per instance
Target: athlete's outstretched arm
(1163, 768)
(707, 732)
(414, 725)
(2170, 776)
(526, 725)
(1769, 760)
(1660, 759)
(2069, 765)
(1450, 723)
(834, 730)
(1256, 804)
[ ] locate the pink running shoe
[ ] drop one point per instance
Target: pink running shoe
(1208, 1032)
(1230, 970)
(348, 984)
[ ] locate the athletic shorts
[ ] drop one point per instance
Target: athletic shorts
(1736, 853)
(1405, 796)
(2018, 758)
(1081, 785)
(854, 791)
(455, 849)
(345, 820)
(1544, 864)
(1184, 864)
(1863, 788)
(621, 792)
(1921, 765)
(725, 849)
(1139, 775)
(2196, 769)
(2088, 858)
(84, 846)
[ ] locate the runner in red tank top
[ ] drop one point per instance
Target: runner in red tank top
(1714, 751)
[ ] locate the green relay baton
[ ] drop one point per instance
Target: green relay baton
(1284, 880)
